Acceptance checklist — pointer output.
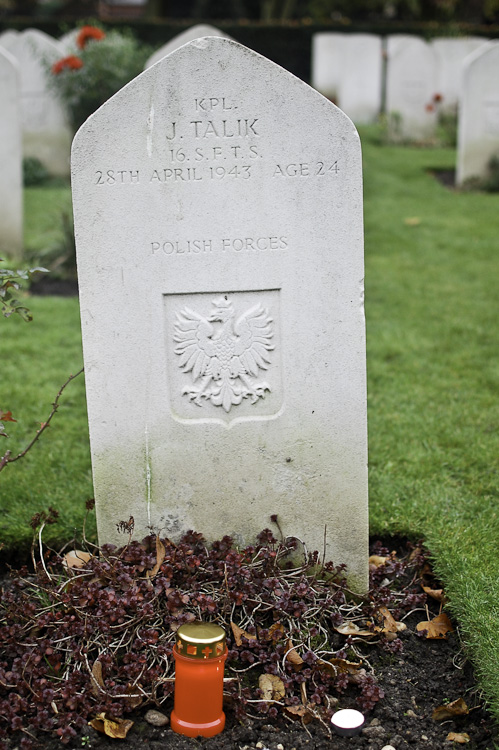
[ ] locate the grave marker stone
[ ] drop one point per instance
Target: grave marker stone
(218, 220)
(11, 204)
(478, 126)
(359, 87)
(327, 63)
(410, 88)
(450, 55)
(194, 32)
(46, 133)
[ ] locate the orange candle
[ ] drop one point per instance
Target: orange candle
(200, 653)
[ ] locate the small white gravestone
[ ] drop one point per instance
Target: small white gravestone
(194, 32)
(218, 219)
(11, 204)
(328, 63)
(46, 133)
(478, 128)
(410, 88)
(359, 87)
(450, 55)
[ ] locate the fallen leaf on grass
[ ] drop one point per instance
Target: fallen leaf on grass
(412, 221)
(160, 556)
(239, 634)
(115, 728)
(450, 710)
(272, 687)
(436, 628)
(460, 738)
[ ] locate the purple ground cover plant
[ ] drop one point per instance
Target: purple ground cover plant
(97, 640)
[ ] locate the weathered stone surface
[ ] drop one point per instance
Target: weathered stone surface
(218, 219)
(410, 88)
(11, 203)
(195, 32)
(478, 130)
(46, 133)
(450, 55)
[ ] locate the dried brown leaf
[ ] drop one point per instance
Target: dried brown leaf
(115, 728)
(239, 634)
(450, 710)
(97, 681)
(412, 221)
(436, 628)
(460, 737)
(349, 627)
(377, 560)
(303, 693)
(160, 556)
(437, 594)
(276, 631)
(135, 698)
(338, 666)
(293, 656)
(77, 558)
(272, 687)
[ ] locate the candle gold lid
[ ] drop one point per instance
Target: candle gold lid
(200, 640)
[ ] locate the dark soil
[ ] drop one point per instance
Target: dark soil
(426, 674)
(446, 176)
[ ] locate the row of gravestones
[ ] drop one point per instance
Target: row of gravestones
(414, 81)
(418, 79)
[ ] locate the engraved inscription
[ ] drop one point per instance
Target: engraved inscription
(224, 353)
(227, 244)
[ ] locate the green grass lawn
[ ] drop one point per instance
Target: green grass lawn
(433, 384)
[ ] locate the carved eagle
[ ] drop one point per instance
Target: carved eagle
(224, 354)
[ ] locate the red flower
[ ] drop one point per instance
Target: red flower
(87, 33)
(430, 108)
(72, 63)
(437, 98)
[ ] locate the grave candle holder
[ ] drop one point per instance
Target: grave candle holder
(200, 653)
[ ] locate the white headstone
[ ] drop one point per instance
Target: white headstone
(450, 55)
(410, 88)
(218, 219)
(194, 32)
(478, 129)
(11, 203)
(327, 63)
(359, 87)
(46, 133)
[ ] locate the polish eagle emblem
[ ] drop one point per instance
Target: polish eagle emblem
(224, 353)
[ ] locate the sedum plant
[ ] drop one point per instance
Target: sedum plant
(99, 66)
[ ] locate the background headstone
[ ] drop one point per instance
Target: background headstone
(194, 32)
(46, 133)
(327, 63)
(360, 84)
(450, 54)
(478, 127)
(410, 88)
(218, 220)
(11, 203)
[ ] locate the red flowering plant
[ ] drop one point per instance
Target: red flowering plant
(99, 66)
